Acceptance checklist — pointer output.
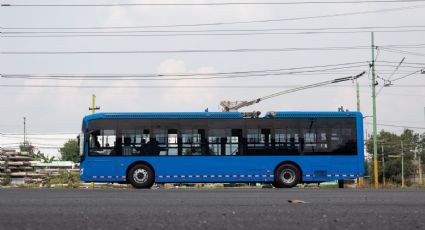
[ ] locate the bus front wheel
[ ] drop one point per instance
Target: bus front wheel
(287, 176)
(141, 176)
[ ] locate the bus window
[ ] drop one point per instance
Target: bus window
(158, 142)
(216, 138)
(254, 138)
(234, 143)
(102, 142)
(172, 143)
(191, 142)
(310, 141)
(287, 141)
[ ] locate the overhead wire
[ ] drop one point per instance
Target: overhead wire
(120, 30)
(115, 34)
(398, 126)
(391, 50)
(408, 75)
(237, 22)
(186, 51)
(181, 86)
(211, 3)
(181, 76)
(241, 50)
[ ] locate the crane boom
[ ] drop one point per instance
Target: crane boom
(228, 106)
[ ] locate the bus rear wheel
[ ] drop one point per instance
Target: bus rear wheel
(141, 176)
(287, 176)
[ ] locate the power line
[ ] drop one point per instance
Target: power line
(181, 76)
(403, 52)
(131, 34)
(214, 30)
(346, 64)
(189, 51)
(38, 134)
(237, 22)
(398, 126)
(397, 62)
(182, 86)
(408, 75)
(244, 50)
(211, 3)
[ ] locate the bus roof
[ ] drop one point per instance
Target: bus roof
(214, 115)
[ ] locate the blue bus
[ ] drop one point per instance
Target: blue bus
(281, 148)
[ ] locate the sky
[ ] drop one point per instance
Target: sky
(201, 41)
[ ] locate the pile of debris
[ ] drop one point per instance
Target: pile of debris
(16, 167)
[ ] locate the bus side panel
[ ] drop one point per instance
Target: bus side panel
(101, 169)
(222, 168)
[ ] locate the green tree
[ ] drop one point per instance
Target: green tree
(38, 156)
(27, 147)
(70, 151)
(389, 148)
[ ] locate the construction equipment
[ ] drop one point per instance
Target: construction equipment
(233, 106)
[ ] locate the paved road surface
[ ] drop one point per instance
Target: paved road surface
(211, 209)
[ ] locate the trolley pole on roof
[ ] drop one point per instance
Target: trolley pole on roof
(93, 107)
(375, 145)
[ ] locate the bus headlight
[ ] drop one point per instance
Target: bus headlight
(81, 171)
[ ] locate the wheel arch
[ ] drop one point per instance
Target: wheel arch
(292, 163)
(137, 163)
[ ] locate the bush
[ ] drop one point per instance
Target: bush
(71, 179)
(6, 181)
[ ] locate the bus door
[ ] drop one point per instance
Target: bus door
(103, 146)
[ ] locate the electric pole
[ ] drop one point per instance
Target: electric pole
(360, 181)
(358, 95)
(421, 179)
(93, 107)
(402, 165)
(383, 164)
(25, 130)
(375, 145)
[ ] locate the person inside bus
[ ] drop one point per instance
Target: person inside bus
(143, 147)
(127, 150)
(153, 147)
(117, 151)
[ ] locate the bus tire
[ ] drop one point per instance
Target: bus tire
(287, 176)
(141, 176)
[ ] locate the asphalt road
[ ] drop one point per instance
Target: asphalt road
(211, 209)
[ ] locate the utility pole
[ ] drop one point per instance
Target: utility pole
(418, 160)
(93, 110)
(360, 181)
(383, 164)
(358, 95)
(402, 165)
(375, 145)
(93, 107)
(25, 132)
(421, 179)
